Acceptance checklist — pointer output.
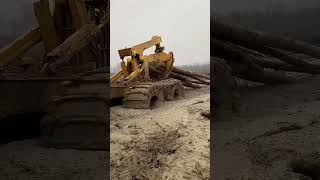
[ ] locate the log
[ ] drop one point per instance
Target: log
(247, 72)
(59, 17)
(189, 73)
(182, 77)
(46, 23)
(282, 66)
(80, 18)
(184, 80)
(274, 63)
(228, 52)
(78, 13)
(188, 84)
(72, 45)
(19, 46)
(249, 38)
(62, 54)
(286, 58)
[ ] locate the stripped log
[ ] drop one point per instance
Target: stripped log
(62, 54)
(227, 51)
(189, 73)
(19, 46)
(248, 72)
(185, 80)
(275, 63)
(249, 38)
(46, 23)
(72, 45)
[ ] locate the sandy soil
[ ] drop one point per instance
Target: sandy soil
(274, 126)
(169, 142)
(26, 160)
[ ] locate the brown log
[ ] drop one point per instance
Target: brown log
(184, 80)
(182, 77)
(18, 47)
(228, 52)
(249, 38)
(72, 45)
(287, 58)
(282, 66)
(189, 73)
(274, 63)
(47, 27)
(188, 84)
(247, 72)
(62, 54)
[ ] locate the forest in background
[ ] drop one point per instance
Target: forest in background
(301, 23)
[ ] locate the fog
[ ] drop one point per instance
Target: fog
(227, 6)
(16, 17)
(183, 26)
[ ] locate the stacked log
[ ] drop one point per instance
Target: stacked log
(188, 78)
(251, 54)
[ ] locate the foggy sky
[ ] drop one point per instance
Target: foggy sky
(183, 26)
(226, 6)
(16, 17)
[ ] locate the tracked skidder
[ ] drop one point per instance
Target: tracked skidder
(143, 81)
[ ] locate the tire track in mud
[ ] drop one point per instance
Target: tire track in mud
(171, 142)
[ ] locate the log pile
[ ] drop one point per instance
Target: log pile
(188, 78)
(257, 56)
(73, 35)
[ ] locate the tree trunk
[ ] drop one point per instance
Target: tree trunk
(251, 39)
(189, 73)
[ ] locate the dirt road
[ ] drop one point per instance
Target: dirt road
(275, 125)
(169, 142)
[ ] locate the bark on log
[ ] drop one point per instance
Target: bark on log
(189, 73)
(233, 52)
(182, 77)
(228, 52)
(62, 54)
(72, 45)
(275, 63)
(250, 38)
(184, 80)
(282, 66)
(19, 46)
(247, 72)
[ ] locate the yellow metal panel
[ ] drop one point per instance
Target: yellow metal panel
(46, 24)
(19, 46)
(138, 49)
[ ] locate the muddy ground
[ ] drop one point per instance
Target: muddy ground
(26, 160)
(275, 125)
(169, 142)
